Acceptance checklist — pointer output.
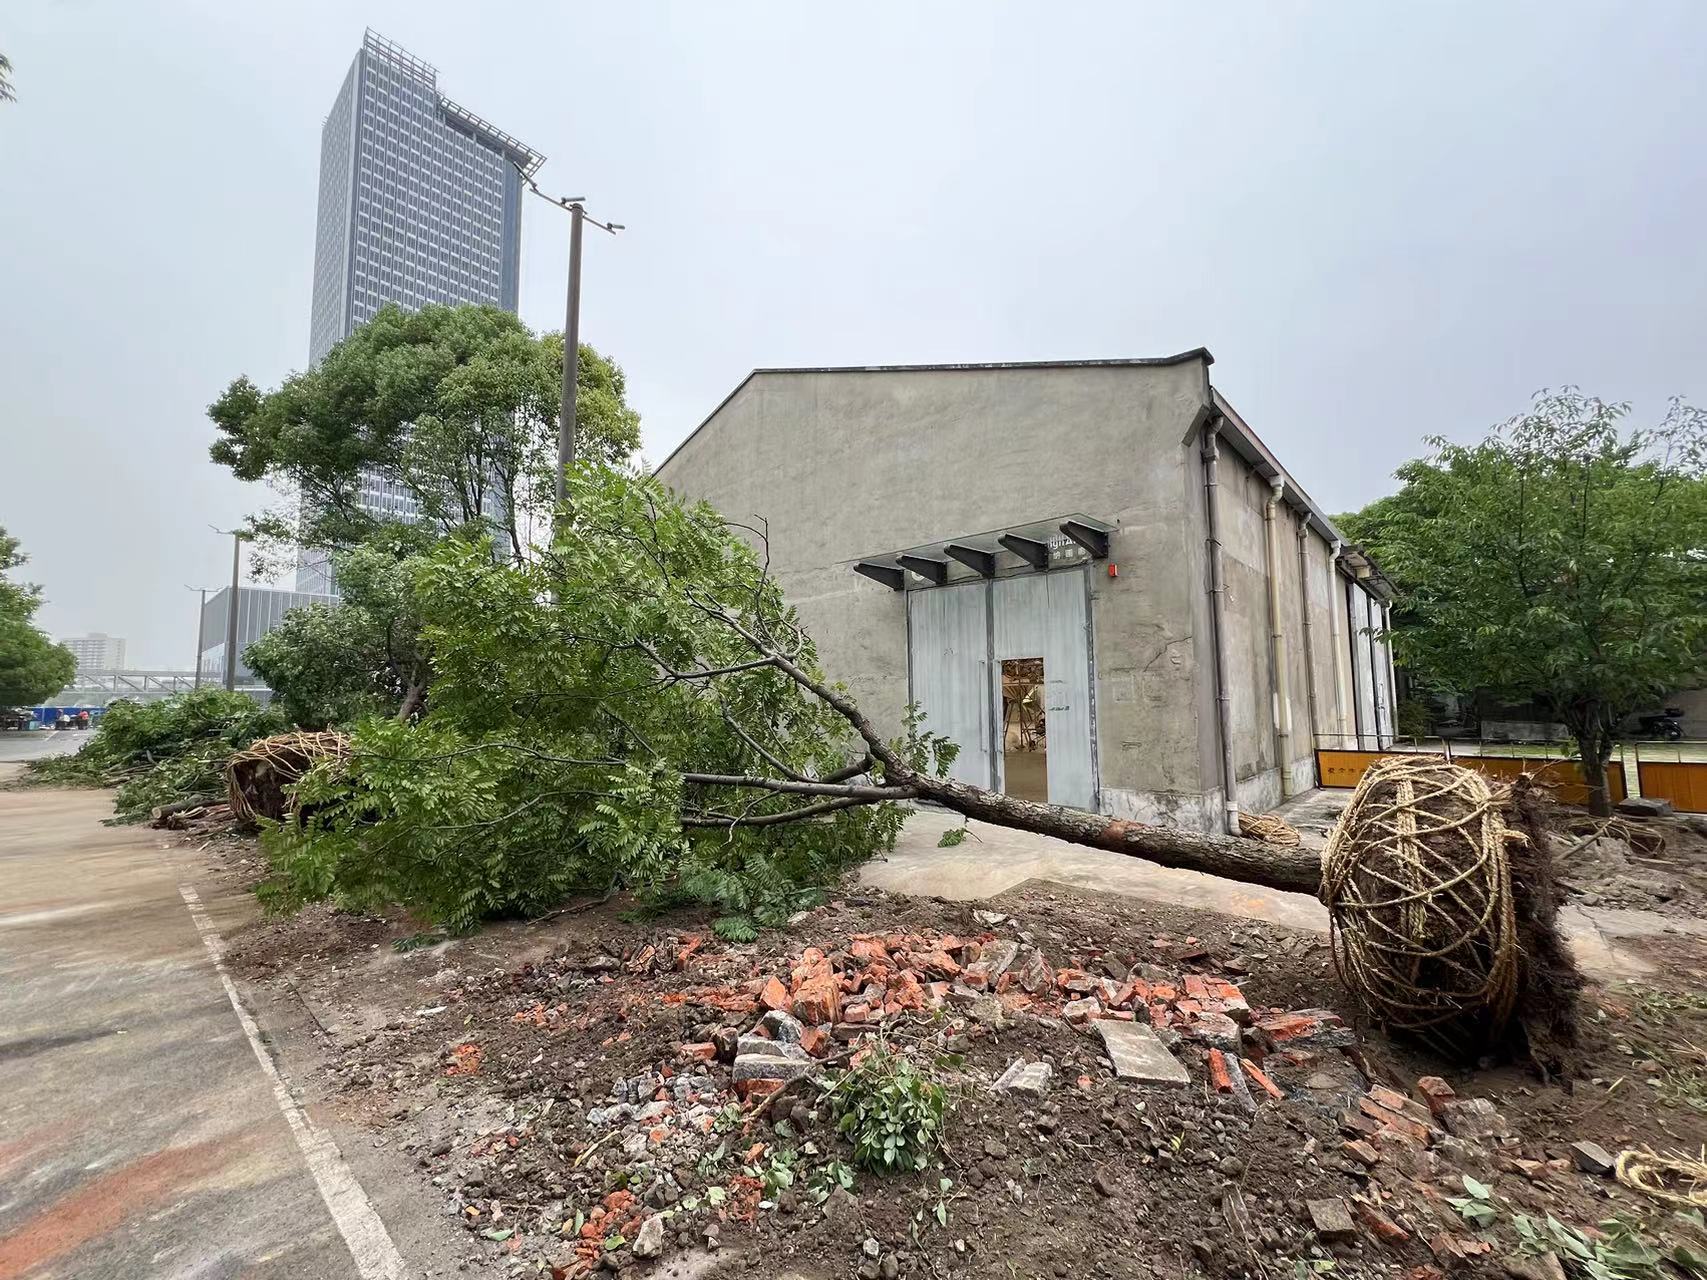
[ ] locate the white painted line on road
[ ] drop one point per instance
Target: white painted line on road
(370, 1243)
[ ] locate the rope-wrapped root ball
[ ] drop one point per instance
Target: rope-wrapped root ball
(1419, 888)
(258, 779)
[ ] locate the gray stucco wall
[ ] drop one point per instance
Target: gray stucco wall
(849, 465)
(855, 464)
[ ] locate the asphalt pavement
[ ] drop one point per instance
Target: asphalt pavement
(145, 1128)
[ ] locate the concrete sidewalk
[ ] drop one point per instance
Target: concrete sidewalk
(993, 860)
(139, 1133)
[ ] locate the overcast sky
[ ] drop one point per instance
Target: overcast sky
(1385, 220)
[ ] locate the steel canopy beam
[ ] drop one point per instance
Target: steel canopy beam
(1033, 552)
(1092, 540)
(888, 575)
(934, 572)
(981, 562)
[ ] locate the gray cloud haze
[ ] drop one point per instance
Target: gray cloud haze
(1385, 220)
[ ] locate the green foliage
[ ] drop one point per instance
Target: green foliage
(1414, 717)
(334, 664)
(890, 1111)
(1478, 1205)
(1618, 1253)
(1559, 559)
(162, 752)
(568, 748)
(952, 838)
(457, 405)
(32, 667)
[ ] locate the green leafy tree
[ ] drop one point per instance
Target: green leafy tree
(456, 405)
(1562, 559)
(7, 93)
(32, 667)
(334, 664)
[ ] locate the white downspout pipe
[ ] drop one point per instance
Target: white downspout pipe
(1309, 628)
(1282, 686)
(1211, 453)
(1336, 609)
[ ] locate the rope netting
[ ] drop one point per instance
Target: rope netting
(257, 778)
(1418, 886)
(1268, 828)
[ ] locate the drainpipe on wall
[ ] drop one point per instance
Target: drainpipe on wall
(1277, 639)
(1336, 605)
(1217, 612)
(1392, 675)
(1309, 631)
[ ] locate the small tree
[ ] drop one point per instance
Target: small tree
(455, 405)
(1562, 559)
(32, 667)
(331, 664)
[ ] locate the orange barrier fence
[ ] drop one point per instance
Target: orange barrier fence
(1337, 768)
(1683, 782)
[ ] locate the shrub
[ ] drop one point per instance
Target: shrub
(164, 752)
(890, 1110)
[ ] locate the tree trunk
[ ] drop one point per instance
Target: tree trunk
(1595, 742)
(1281, 867)
(413, 698)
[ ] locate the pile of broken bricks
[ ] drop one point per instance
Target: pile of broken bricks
(829, 1000)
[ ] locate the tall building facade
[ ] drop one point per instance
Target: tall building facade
(259, 611)
(420, 202)
(96, 651)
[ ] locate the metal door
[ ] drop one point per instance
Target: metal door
(1047, 615)
(948, 642)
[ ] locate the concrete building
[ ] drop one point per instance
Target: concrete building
(96, 651)
(420, 202)
(1092, 575)
(259, 610)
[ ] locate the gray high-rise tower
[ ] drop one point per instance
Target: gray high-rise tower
(420, 202)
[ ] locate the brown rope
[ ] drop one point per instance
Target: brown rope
(1674, 1177)
(1418, 888)
(1269, 828)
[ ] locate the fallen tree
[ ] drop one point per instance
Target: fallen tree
(640, 708)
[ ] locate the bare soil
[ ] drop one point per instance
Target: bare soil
(531, 1080)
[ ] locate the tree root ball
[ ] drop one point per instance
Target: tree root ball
(1444, 913)
(258, 779)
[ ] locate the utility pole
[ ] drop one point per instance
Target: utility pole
(566, 424)
(571, 355)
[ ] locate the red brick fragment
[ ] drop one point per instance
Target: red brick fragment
(1361, 1151)
(701, 1051)
(1219, 1075)
(935, 964)
(1261, 1077)
(976, 976)
(868, 950)
(773, 995)
(1196, 987)
(752, 1090)
(1435, 1093)
(815, 1040)
(817, 1000)
(1379, 1223)
(856, 1011)
(1393, 1120)
(1075, 980)
(1393, 1100)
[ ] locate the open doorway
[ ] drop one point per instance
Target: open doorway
(1025, 736)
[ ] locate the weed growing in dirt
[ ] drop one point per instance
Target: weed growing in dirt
(1478, 1205)
(1618, 1252)
(890, 1110)
(1681, 1019)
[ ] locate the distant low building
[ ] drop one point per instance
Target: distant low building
(96, 651)
(259, 610)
